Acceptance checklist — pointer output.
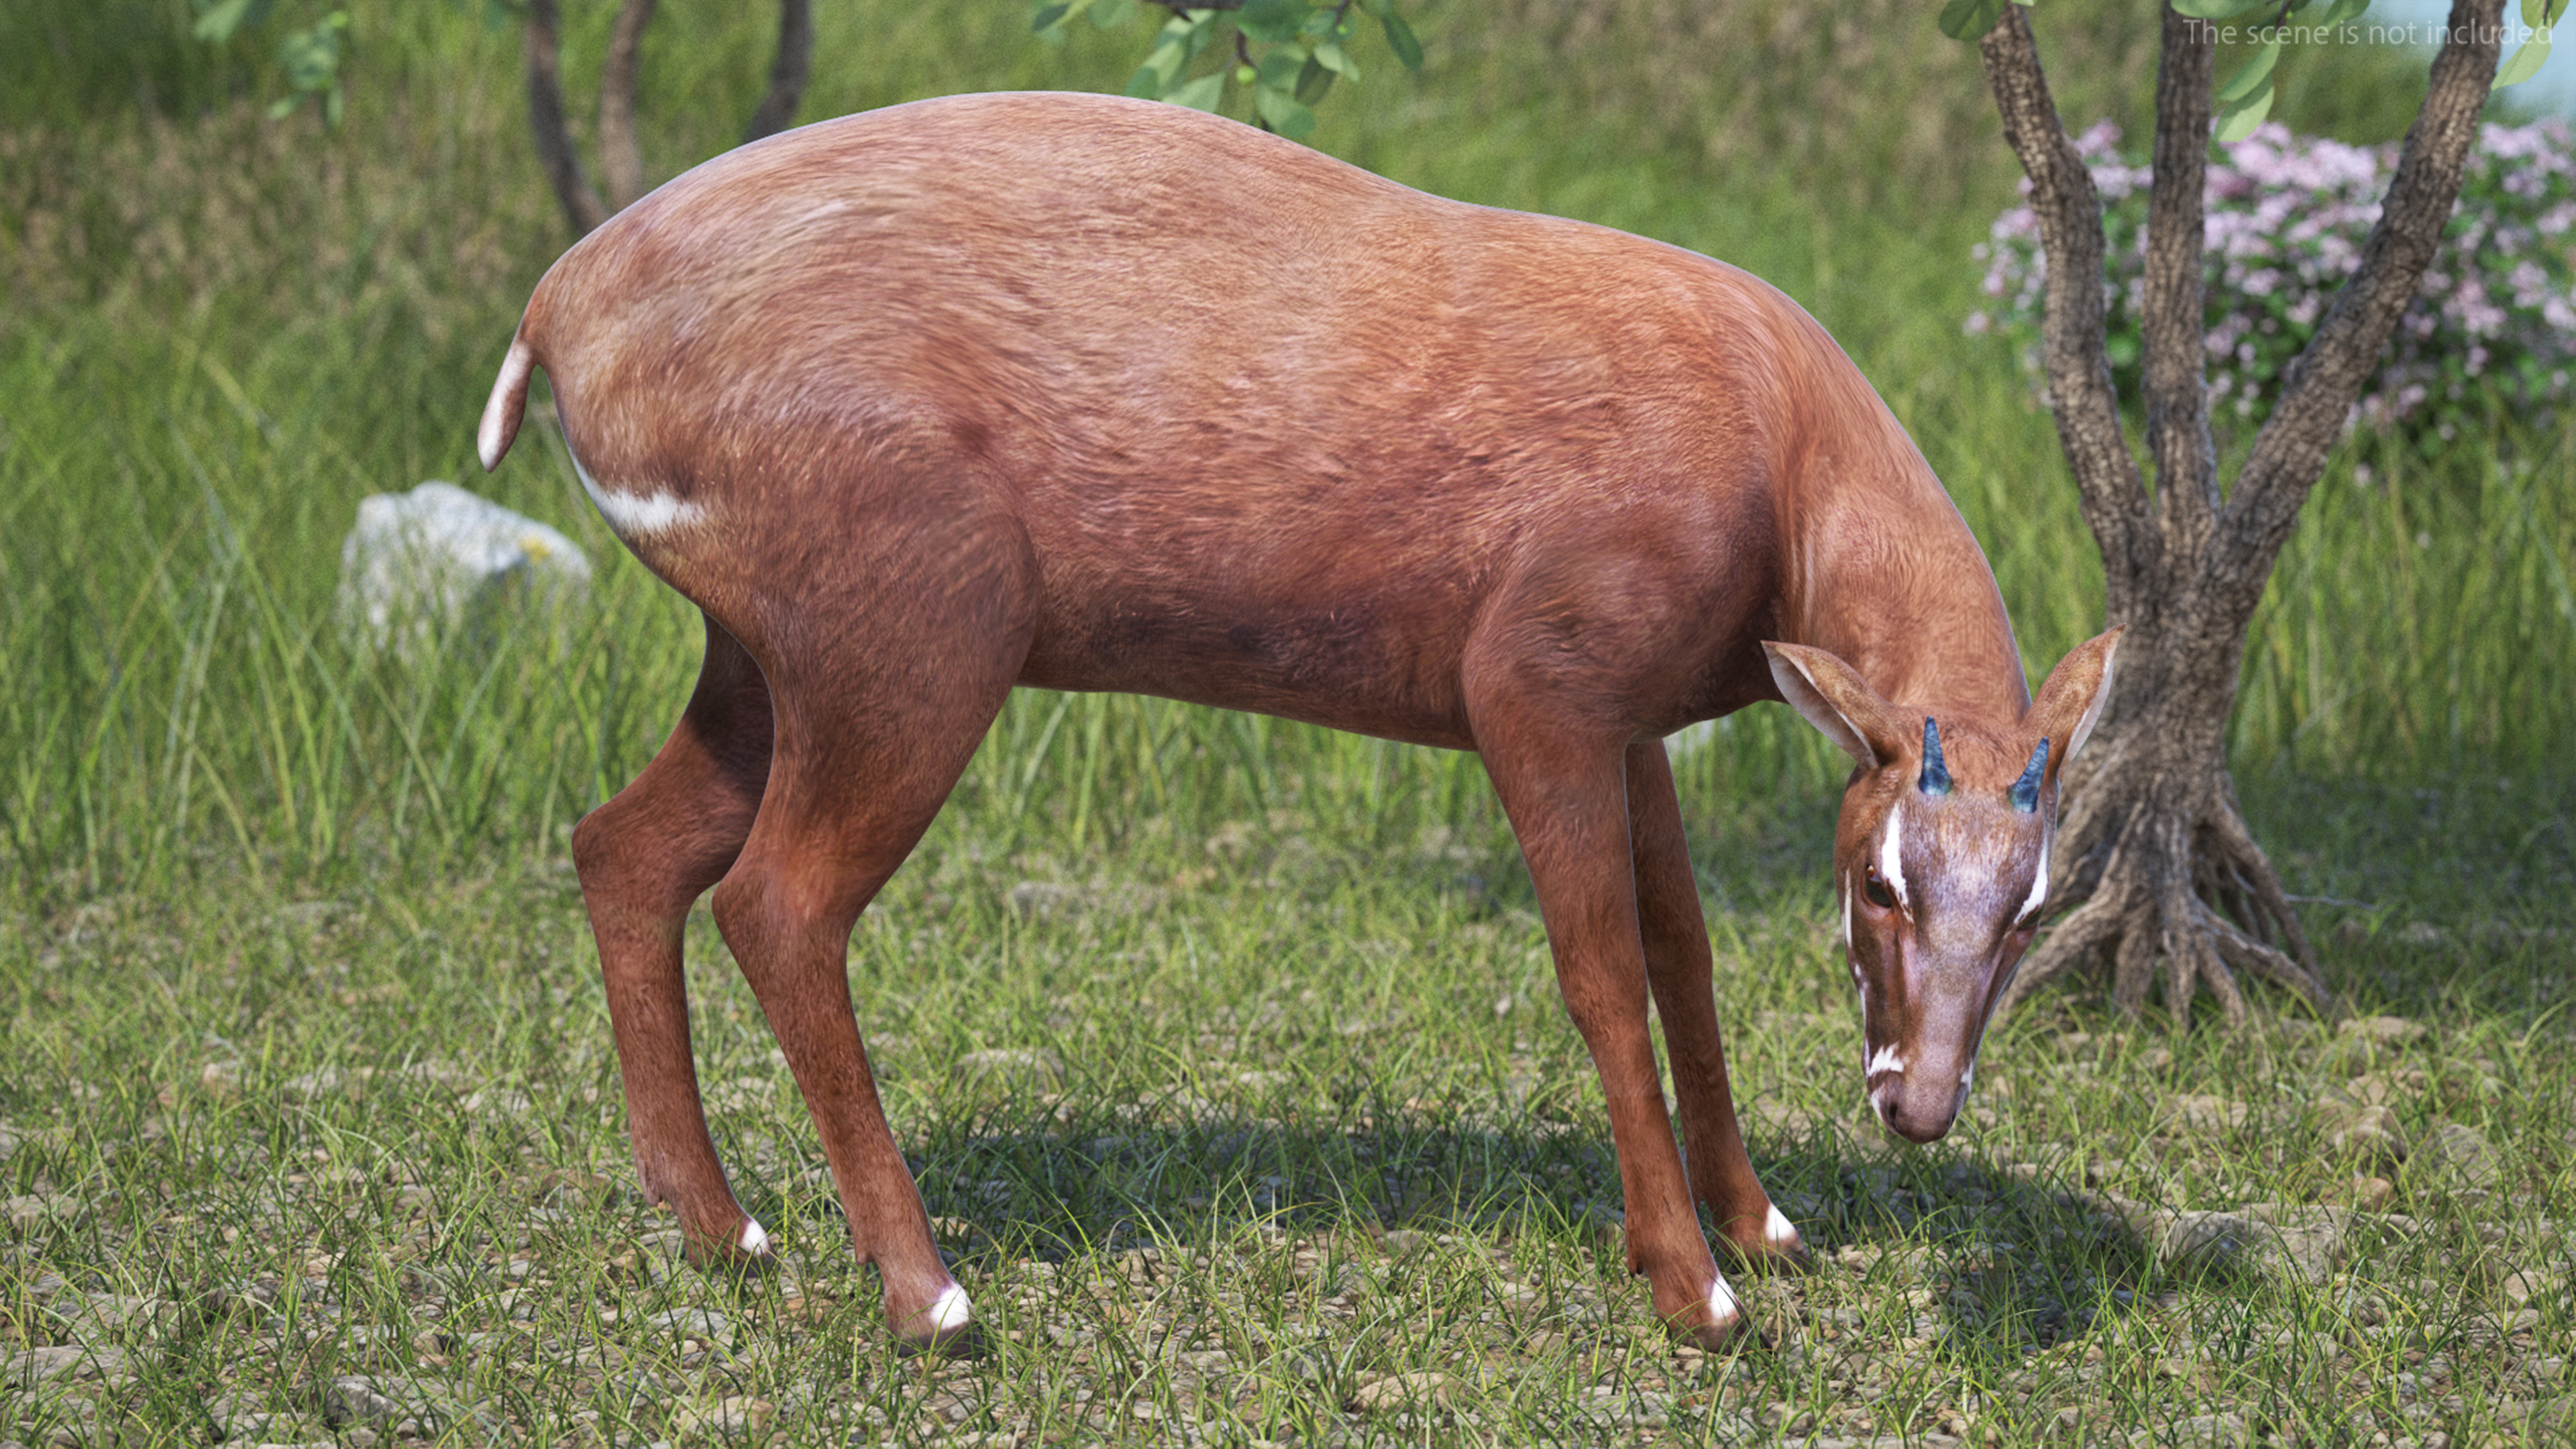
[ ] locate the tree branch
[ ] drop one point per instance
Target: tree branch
(2326, 379)
(621, 155)
(2080, 391)
(2171, 318)
(581, 205)
(787, 72)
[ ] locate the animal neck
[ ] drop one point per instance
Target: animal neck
(1885, 574)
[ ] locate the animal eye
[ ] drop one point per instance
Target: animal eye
(1877, 893)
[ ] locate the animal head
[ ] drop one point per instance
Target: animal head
(1940, 862)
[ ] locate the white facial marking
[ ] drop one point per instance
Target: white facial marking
(1847, 919)
(755, 1238)
(950, 1310)
(1891, 858)
(632, 517)
(2038, 885)
(1776, 1229)
(1887, 1060)
(1721, 1302)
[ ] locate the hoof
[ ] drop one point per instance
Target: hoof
(1776, 1249)
(748, 1250)
(1723, 1328)
(946, 1328)
(1721, 1339)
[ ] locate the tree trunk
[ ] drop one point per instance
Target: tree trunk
(2159, 876)
(621, 154)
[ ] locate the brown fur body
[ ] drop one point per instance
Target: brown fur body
(1091, 394)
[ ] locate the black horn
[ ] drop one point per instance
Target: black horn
(2025, 791)
(1936, 775)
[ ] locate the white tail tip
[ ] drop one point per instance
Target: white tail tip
(509, 398)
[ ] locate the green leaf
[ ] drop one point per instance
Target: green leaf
(1280, 68)
(1313, 80)
(1970, 19)
(1147, 84)
(2255, 72)
(2541, 14)
(1337, 60)
(2238, 121)
(2215, 9)
(334, 103)
(1284, 113)
(2525, 62)
(217, 21)
(1271, 21)
(2341, 12)
(1049, 17)
(284, 106)
(1202, 94)
(1401, 39)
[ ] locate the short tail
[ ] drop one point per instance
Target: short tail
(509, 400)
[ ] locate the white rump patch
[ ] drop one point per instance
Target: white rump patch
(755, 1238)
(950, 1311)
(1776, 1229)
(1887, 1060)
(1721, 1301)
(1891, 857)
(630, 517)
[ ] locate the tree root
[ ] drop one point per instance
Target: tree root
(2184, 896)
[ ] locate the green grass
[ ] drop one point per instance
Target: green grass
(1294, 980)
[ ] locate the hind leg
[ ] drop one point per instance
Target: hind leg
(876, 720)
(644, 858)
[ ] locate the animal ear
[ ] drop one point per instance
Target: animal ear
(2071, 700)
(1836, 700)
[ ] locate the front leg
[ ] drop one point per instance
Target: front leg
(1679, 967)
(1565, 796)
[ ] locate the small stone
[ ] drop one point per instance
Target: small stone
(28, 1212)
(1404, 1243)
(2363, 1131)
(360, 1400)
(2460, 1153)
(1003, 1071)
(438, 562)
(2381, 1030)
(2199, 1112)
(221, 1079)
(2371, 1194)
(323, 1082)
(2520, 1288)
(498, 1102)
(79, 1362)
(695, 1323)
(1405, 1391)
(728, 1418)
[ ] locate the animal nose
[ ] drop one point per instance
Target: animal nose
(1916, 1100)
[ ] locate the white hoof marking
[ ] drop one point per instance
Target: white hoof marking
(1721, 1302)
(755, 1238)
(950, 1311)
(1776, 1229)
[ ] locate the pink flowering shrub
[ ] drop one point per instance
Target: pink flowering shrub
(2492, 326)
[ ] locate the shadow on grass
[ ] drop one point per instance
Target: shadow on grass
(1996, 1261)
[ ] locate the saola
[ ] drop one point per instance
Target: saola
(1098, 394)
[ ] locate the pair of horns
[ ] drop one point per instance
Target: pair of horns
(1935, 779)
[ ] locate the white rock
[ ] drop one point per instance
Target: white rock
(439, 563)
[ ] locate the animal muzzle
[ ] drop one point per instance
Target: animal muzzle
(1918, 1093)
